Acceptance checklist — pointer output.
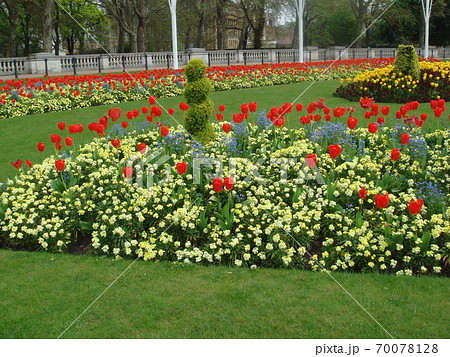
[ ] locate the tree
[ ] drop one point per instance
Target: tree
(79, 18)
(365, 12)
(47, 25)
(10, 10)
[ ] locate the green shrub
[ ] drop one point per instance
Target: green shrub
(407, 62)
(200, 106)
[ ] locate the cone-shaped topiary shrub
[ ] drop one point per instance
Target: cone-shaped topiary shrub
(197, 121)
(407, 62)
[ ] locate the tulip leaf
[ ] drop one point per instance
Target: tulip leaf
(85, 226)
(203, 220)
(359, 219)
(246, 202)
(56, 185)
(297, 194)
(388, 231)
(2, 211)
(425, 241)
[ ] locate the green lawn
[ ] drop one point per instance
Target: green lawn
(43, 293)
(19, 136)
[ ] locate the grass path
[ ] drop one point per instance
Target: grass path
(43, 293)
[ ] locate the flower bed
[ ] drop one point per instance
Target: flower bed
(384, 85)
(32, 96)
(320, 197)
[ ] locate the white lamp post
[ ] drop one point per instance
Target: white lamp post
(173, 12)
(426, 7)
(300, 6)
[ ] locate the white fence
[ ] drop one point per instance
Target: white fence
(44, 63)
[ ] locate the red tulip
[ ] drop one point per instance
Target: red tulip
(68, 141)
(135, 113)
(253, 106)
(61, 126)
(229, 183)
(339, 111)
(362, 193)
(60, 164)
(438, 112)
(128, 172)
(17, 164)
(170, 111)
(352, 122)
(328, 117)
(244, 108)
(404, 109)
(219, 116)
(299, 107)
(55, 138)
(375, 110)
(149, 118)
(217, 184)
(156, 111)
(238, 118)
(385, 110)
(415, 206)
(29, 164)
(404, 138)
(142, 148)
(373, 127)
(124, 124)
(274, 111)
(398, 115)
(441, 103)
(226, 127)
(129, 115)
(419, 123)
(311, 160)
(115, 143)
(366, 103)
(144, 110)
(184, 106)
(367, 115)
(58, 146)
(382, 201)
(334, 151)
(395, 154)
(279, 122)
(423, 116)
(380, 120)
(164, 131)
(40, 147)
(181, 167)
(326, 110)
(434, 104)
(221, 108)
(114, 114)
(152, 99)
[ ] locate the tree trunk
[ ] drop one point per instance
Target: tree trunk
(133, 42)
(359, 28)
(199, 38)
(121, 40)
(259, 31)
(57, 40)
(47, 25)
(220, 23)
(82, 42)
(12, 18)
(141, 27)
(295, 37)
